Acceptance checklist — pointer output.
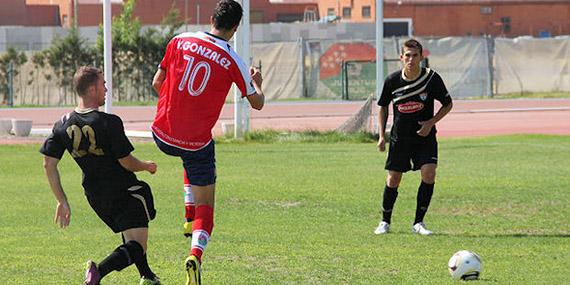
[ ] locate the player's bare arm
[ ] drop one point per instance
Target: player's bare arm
(158, 79)
(382, 120)
(257, 100)
(133, 164)
(427, 125)
(62, 210)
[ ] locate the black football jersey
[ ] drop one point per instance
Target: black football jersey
(413, 101)
(96, 141)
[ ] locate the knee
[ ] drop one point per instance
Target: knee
(429, 177)
(134, 249)
(393, 181)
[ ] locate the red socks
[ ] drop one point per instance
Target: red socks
(201, 230)
(188, 199)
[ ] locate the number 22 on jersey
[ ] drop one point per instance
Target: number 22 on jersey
(76, 134)
(190, 74)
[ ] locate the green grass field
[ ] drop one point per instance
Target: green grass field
(304, 213)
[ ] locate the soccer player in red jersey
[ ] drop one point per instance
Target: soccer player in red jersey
(193, 81)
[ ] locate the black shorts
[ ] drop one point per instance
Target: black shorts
(134, 208)
(200, 165)
(402, 153)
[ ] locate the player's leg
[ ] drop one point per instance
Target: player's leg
(204, 218)
(426, 160)
(397, 162)
(388, 201)
(140, 236)
(126, 254)
(390, 194)
(201, 230)
(201, 169)
(189, 207)
(136, 210)
(425, 192)
(188, 198)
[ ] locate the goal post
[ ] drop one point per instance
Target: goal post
(242, 44)
(358, 77)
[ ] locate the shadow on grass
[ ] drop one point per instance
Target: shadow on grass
(515, 235)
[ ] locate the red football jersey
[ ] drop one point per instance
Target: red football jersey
(200, 69)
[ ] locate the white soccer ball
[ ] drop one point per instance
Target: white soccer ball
(465, 265)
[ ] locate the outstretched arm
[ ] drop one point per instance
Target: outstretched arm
(257, 100)
(133, 164)
(62, 211)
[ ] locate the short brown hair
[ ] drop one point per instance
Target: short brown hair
(85, 77)
(227, 14)
(412, 43)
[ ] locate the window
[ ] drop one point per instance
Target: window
(366, 12)
(289, 17)
(330, 12)
(506, 23)
(486, 10)
(346, 11)
(397, 27)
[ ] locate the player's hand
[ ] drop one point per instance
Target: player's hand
(62, 215)
(151, 167)
(425, 129)
(381, 144)
(256, 75)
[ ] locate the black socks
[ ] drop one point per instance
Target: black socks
(144, 269)
(390, 195)
(123, 256)
(425, 191)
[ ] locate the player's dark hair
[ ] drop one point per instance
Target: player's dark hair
(412, 43)
(85, 77)
(227, 14)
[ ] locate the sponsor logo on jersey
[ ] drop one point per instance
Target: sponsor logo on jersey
(398, 94)
(423, 96)
(410, 107)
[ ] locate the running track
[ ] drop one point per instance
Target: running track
(468, 117)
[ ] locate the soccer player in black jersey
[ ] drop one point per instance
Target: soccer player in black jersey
(413, 143)
(98, 144)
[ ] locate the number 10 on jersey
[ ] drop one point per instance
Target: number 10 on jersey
(190, 73)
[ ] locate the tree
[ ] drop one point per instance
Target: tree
(14, 59)
(39, 61)
(65, 56)
(136, 53)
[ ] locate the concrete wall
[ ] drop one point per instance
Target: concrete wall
(38, 38)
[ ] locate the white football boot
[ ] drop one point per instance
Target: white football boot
(383, 228)
(420, 228)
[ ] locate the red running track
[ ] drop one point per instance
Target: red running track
(468, 117)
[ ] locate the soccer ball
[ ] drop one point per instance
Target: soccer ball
(465, 265)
